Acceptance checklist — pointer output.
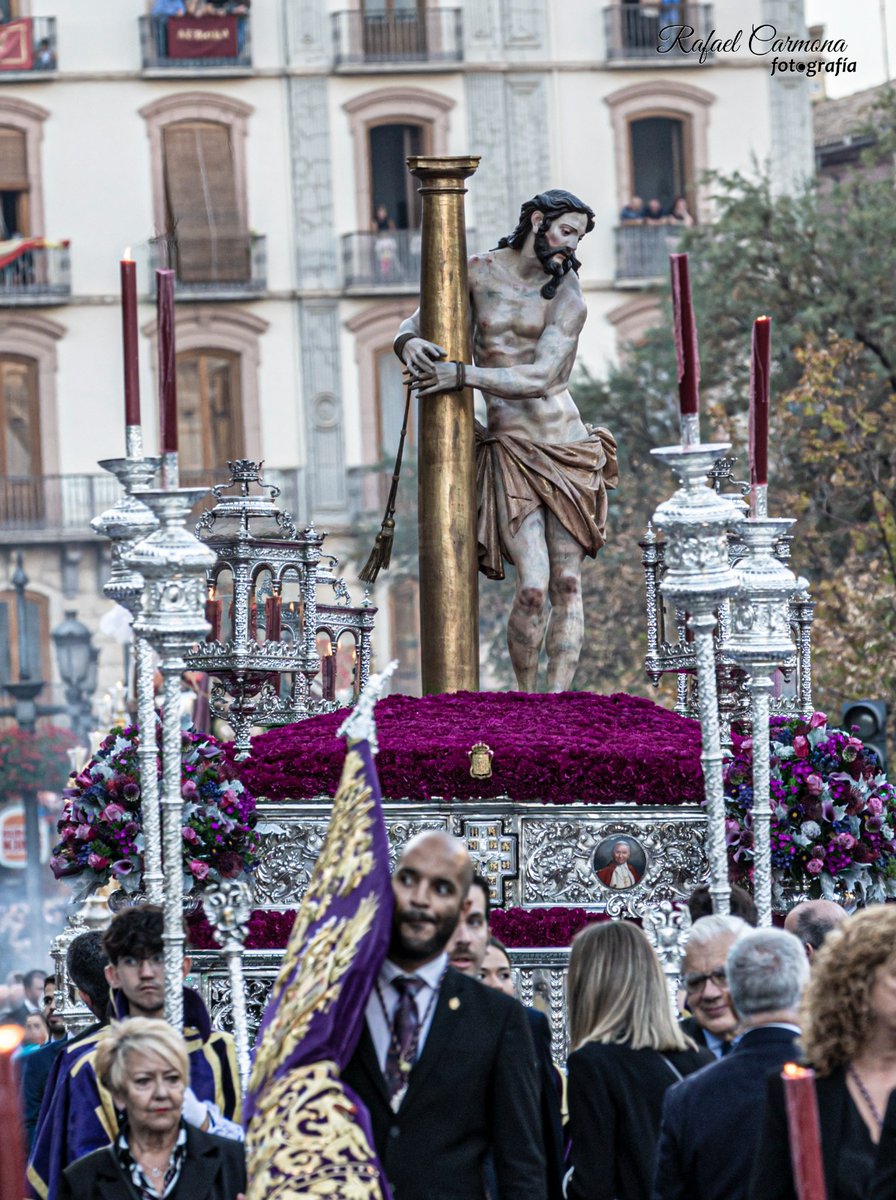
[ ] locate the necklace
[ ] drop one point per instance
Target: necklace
(866, 1095)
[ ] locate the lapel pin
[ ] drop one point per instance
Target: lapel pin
(454, 1004)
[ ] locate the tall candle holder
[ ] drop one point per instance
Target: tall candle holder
(698, 579)
(759, 641)
(228, 906)
(127, 523)
(173, 563)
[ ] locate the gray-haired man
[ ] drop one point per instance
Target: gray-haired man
(711, 1121)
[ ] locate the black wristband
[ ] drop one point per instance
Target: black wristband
(460, 380)
(401, 341)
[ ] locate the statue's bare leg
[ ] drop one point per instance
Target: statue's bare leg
(528, 614)
(566, 627)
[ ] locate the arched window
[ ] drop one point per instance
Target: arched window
(21, 193)
(209, 412)
(658, 159)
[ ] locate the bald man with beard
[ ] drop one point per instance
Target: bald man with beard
(445, 1066)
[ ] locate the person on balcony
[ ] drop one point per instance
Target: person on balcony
(162, 11)
(680, 214)
(632, 213)
(654, 214)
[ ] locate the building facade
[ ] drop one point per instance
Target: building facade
(261, 153)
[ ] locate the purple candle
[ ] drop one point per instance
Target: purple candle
(129, 340)
(685, 337)
(759, 371)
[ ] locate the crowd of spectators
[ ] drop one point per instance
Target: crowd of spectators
(653, 212)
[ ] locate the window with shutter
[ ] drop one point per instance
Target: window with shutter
(14, 184)
(205, 223)
(21, 492)
(37, 637)
(209, 413)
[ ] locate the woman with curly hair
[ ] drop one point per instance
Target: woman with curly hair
(849, 1038)
(627, 1050)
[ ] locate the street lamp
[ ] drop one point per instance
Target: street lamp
(76, 658)
(77, 666)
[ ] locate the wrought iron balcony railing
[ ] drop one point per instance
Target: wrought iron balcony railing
(196, 43)
(29, 46)
(389, 258)
(432, 35)
(633, 31)
(50, 506)
(212, 268)
(33, 271)
(642, 251)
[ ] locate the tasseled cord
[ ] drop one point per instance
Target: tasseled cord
(381, 554)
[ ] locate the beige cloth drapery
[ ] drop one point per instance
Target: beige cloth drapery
(570, 479)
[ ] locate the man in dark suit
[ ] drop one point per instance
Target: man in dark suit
(32, 997)
(466, 952)
(35, 1068)
(712, 1120)
(713, 1021)
(445, 1066)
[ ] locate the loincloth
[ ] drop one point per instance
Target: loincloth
(570, 479)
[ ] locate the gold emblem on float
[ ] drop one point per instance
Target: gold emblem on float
(481, 761)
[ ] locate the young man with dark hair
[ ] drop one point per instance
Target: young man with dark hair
(35, 1068)
(32, 998)
(80, 1115)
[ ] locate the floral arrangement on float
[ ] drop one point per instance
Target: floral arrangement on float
(101, 829)
(833, 831)
(517, 928)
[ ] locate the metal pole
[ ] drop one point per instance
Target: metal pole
(449, 597)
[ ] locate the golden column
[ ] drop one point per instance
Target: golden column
(449, 594)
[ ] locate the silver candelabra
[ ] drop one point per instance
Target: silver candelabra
(173, 563)
(228, 906)
(126, 524)
(759, 641)
(698, 579)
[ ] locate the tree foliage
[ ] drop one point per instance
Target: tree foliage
(821, 264)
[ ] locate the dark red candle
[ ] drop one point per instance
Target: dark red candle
(167, 365)
(685, 337)
(759, 372)
(12, 1160)
(272, 618)
(213, 612)
(801, 1103)
(328, 674)
(129, 340)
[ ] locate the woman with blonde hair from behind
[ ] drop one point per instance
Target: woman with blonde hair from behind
(627, 1050)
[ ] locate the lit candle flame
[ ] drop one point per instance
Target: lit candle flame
(794, 1071)
(126, 257)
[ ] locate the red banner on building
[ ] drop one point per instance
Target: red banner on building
(202, 37)
(16, 47)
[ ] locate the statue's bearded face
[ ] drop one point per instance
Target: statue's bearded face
(555, 242)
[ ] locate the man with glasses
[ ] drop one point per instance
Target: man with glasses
(82, 1116)
(713, 1021)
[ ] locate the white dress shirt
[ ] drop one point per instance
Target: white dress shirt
(380, 1023)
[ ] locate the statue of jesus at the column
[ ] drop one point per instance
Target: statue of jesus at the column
(542, 474)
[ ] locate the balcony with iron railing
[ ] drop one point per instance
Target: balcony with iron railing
(34, 271)
(212, 44)
(46, 508)
(634, 31)
(431, 35)
(382, 260)
(642, 252)
(212, 268)
(29, 48)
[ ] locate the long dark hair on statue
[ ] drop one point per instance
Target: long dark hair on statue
(552, 204)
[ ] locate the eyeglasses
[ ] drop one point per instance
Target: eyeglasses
(131, 960)
(696, 983)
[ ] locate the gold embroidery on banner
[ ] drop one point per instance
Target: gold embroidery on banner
(315, 987)
(304, 1141)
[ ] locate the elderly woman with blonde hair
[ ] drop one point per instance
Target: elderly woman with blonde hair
(144, 1065)
(849, 1038)
(627, 1050)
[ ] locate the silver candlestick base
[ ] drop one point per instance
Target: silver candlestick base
(173, 562)
(759, 641)
(228, 906)
(699, 577)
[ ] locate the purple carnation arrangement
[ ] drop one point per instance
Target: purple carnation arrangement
(515, 927)
(833, 813)
(101, 829)
(557, 749)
